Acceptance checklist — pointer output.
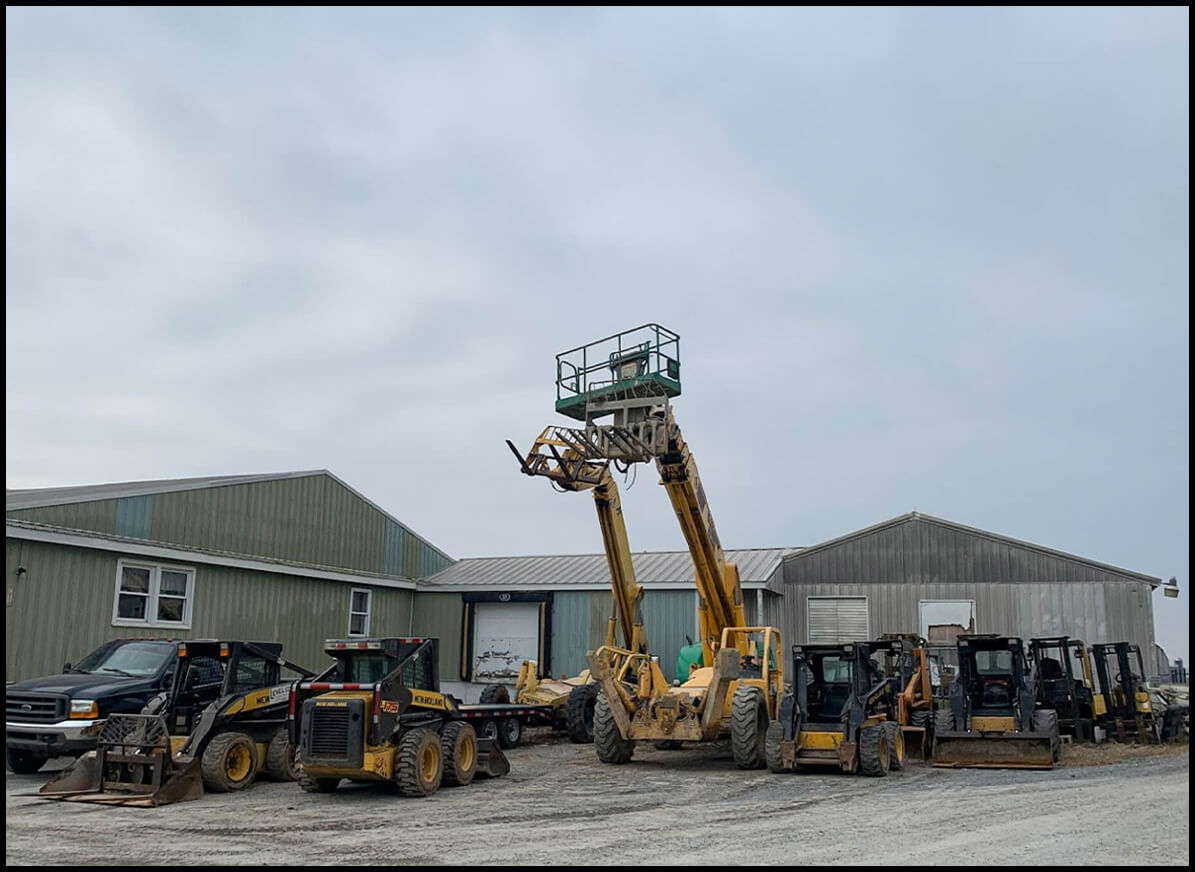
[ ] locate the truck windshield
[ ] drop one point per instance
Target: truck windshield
(131, 658)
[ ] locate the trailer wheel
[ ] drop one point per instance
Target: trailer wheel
(749, 727)
(495, 693)
(419, 763)
(282, 758)
(318, 785)
(896, 746)
(229, 762)
(458, 742)
(489, 730)
(1046, 721)
(873, 751)
(611, 747)
(578, 717)
(772, 751)
(510, 732)
(22, 762)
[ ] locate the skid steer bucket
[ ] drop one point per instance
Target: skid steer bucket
(132, 765)
(1005, 751)
(916, 742)
(490, 759)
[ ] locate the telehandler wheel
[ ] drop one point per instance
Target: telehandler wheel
(318, 785)
(510, 732)
(229, 762)
(494, 693)
(1046, 721)
(873, 751)
(458, 742)
(896, 746)
(611, 747)
(578, 717)
(772, 750)
(282, 758)
(419, 763)
(749, 727)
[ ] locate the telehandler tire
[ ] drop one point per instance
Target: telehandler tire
(578, 717)
(749, 727)
(282, 758)
(419, 763)
(229, 762)
(873, 751)
(611, 747)
(896, 746)
(458, 742)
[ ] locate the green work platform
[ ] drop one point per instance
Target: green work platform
(642, 362)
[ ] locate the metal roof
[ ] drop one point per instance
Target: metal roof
(34, 498)
(755, 565)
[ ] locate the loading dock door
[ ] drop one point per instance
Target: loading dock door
(837, 620)
(504, 635)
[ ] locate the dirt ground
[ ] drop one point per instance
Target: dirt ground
(560, 806)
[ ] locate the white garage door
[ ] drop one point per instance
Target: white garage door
(836, 620)
(504, 635)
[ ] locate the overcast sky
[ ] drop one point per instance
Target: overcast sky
(919, 259)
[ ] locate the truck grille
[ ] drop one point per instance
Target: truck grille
(329, 733)
(34, 708)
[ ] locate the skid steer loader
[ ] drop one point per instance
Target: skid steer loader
(842, 712)
(993, 721)
(222, 721)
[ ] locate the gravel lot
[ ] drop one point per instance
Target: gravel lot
(560, 806)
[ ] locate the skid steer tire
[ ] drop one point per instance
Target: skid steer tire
(896, 746)
(318, 785)
(22, 762)
(282, 758)
(611, 747)
(1046, 721)
(873, 751)
(229, 762)
(493, 694)
(578, 716)
(749, 727)
(458, 743)
(419, 763)
(772, 750)
(943, 721)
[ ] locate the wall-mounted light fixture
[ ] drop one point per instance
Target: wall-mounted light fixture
(21, 570)
(1170, 588)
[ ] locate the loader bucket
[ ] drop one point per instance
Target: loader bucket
(994, 751)
(131, 765)
(490, 759)
(916, 743)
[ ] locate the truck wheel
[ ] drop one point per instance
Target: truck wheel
(749, 727)
(229, 762)
(611, 747)
(318, 785)
(772, 743)
(1046, 721)
(458, 743)
(896, 746)
(419, 763)
(282, 758)
(510, 732)
(578, 718)
(873, 751)
(22, 762)
(495, 693)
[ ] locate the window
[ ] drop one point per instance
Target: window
(359, 603)
(153, 595)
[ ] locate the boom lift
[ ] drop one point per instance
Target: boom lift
(631, 377)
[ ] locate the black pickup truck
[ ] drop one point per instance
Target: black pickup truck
(61, 715)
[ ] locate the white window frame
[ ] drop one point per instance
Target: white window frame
(155, 585)
(368, 613)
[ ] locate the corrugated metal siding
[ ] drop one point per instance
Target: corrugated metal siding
(62, 608)
(134, 516)
(579, 620)
(670, 616)
(441, 615)
(99, 516)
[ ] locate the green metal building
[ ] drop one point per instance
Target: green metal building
(295, 557)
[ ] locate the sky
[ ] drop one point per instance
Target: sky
(930, 259)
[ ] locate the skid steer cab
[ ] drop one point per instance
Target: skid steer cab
(377, 714)
(841, 713)
(220, 724)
